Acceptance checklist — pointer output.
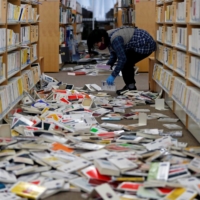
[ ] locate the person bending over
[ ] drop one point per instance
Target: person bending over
(128, 45)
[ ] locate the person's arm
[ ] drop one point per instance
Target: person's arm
(112, 59)
(118, 46)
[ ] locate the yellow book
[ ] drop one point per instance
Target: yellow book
(24, 16)
(22, 57)
(35, 14)
(28, 190)
(167, 13)
(170, 57)
(20, 86)
(14, 133)
(1, 110)
(25, 56)
(16, 13)
(181, 193)
(10, 37)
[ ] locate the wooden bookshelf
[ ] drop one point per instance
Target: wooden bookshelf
(49, 31)
(18, 54)
(144, 19)
(176, 56)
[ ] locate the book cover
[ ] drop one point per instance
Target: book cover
(28, 190)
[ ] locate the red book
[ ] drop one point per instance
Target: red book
(92, 173)
(128, 186)
(76, 73)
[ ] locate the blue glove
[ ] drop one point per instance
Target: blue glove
(110, 80)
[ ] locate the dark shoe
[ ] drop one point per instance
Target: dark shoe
(124, 90)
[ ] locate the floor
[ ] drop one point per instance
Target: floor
(142, 84)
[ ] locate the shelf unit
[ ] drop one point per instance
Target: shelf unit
(19, 50)
(78, 26)
(50, 32)
(178, 59)
(124, 16)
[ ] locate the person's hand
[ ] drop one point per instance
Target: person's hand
(87, 56)
(110, 80)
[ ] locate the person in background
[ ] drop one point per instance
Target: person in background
(127, 45)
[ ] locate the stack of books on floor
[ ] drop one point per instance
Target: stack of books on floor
(61, 139)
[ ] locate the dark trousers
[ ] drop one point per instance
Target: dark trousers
(128, 73)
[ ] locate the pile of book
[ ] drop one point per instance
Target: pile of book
(54, 142)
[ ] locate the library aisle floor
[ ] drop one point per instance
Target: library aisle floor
(142, 84)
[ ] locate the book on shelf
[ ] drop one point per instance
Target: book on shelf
(168, 56)
(33, 52)
(25, 35)
(128, 16)
(14, 89)
(78, 8)
(181, 12)
(188, 97)
(194, 40)
(12, 38)
(34, 29)
(2, 69)
(161, 33)
(28, 79)
(13, 14)
(23, 13)
(160, 14)
(195, 11)
(13, 62)
(126, 3)
(194, 69)
(159, 52)
(181, 39)
(169, 13)
(25, 57)
(62, 34)
(159, 2)
(169, 35)
(65, 3)
(3, 6)
(163, 76)
(79, 18)
(79, 28)
(180, 62)
(65, 15)
(78, 37)
(35, 67)
(2, 39)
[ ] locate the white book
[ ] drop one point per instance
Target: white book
(55, 184)
(122, 163)
(82, 183)
(106, 168)
(103, 153)
(29, 177)
(59, 175)
(6, 177)
(74, 165)
(25, 170)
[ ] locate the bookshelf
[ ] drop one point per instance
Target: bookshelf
(178, 57)
(124, 15)
(78, 26)
(19, 51)
(55, 16)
